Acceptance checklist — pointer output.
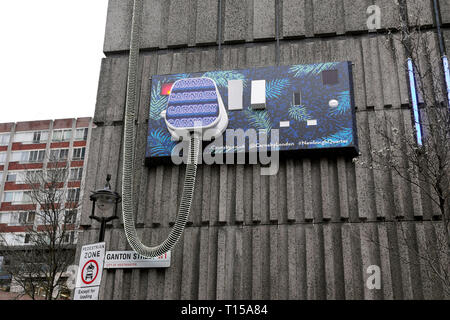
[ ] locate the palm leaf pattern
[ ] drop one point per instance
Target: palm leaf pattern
(259, 119)
(299, 113)
(181, 76)
(160, 143)
(302, 70)
(221, 77)
(275, 88)
(344, 104)
(158, 102)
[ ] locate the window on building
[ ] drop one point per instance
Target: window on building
(32, 176)
(11, 177)
(54, 175)
(73, 195)
(2, 157)
(27, 238)
(11, 196)
(78, 153)
(31, 217)
(13, 218)
(43, 219)
(23, 217)
(26, 197)
(59, 154)
(36, 156)
(37, 137)
(76, 174)
(69, 237)
(70, 216)
(63, 154)
(62, 135)
(40, 136)
(27, 217)
(17, 176)
(17, 197)
(81, 134)
(23, 137)
(19, 156)
(5, 217)
(4, 139)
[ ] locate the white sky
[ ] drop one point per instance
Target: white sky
(50, 56)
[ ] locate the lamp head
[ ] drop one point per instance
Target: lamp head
(105, 199)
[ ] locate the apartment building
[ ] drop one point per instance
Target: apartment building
(25, 148)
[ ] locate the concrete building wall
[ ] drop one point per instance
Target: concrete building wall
(311, 231)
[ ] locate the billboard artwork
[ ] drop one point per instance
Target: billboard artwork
(311, 106)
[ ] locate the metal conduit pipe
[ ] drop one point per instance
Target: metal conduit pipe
(128, 158)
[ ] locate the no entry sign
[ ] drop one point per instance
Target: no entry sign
(91, 265)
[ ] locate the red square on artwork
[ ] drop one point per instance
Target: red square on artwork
(166, 88)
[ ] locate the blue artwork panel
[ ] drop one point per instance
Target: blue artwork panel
(311, 106)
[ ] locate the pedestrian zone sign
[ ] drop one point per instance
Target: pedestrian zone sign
(91, 265)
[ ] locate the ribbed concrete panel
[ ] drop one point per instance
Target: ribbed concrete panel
(111, 90)
(293, 18)
(446, 34)
(326, 16)
(355, 14)
(390, 13)
(319, 189)
(104, 159)
(378, 74)
(180, 12)
(118, 25)
(304, 190)
(235, 23)
(296, 261)
(206, 23)
(195, 22)
(444, 5)
(420, 13)
(264, 19)
(154, 24)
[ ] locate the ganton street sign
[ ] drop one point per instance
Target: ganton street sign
(131, 259)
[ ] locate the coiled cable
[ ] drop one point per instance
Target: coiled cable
(128, 159)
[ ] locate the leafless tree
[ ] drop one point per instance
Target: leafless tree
(423, 163)
(42, 262)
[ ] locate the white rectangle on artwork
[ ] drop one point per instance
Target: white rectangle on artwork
(235, 94)
(258, 95)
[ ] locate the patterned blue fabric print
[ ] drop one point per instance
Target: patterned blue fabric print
(192, 102)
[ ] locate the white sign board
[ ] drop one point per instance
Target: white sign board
(131, 259)
(91, 265)
(89, 293)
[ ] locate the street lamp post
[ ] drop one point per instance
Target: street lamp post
(104, 199)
